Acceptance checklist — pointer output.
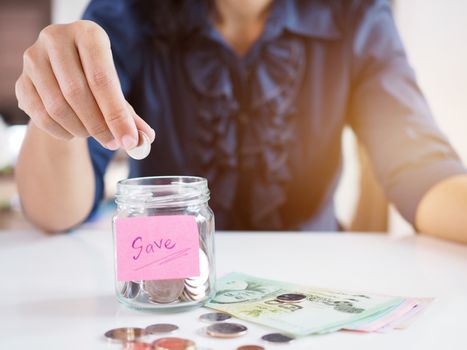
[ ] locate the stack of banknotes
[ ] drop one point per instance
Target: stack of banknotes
(300, 310)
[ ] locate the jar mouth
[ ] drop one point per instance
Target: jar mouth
(160, 191)
(165, 182)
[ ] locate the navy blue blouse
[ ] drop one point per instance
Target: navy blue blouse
(265, 129)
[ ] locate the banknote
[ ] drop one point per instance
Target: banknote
(323, 310)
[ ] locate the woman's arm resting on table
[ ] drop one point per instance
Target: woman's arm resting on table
(442, 212)
(55, 180)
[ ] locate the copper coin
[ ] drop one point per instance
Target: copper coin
(124, 334)
(137, 345)
(226, 330)
(160, 328)
(174, 344)
(250, 347)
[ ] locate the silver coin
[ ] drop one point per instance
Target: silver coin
(192, 297)
(124, 334)
(277, 338)
(130, 289)
(203, 271)
(215, 317)
(291, 297)
(160, 328)
(195, 290)
(164, 291)
(226, 330)
(143, 148)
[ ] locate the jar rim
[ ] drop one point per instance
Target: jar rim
(159, 182)
(162, 191)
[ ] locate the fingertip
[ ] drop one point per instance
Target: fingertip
(152, 135)
(112, 145)
(129, 142)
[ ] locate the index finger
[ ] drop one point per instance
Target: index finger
(93, 46)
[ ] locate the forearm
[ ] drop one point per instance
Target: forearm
(442, 212)
(55, 180)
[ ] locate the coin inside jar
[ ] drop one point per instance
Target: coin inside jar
(250, 347)
(124, 334)
(160, 328)
(130, 289)
(291, 297)
(164, 291)
(277, 338)
(214, 317)
(174, 344)
(142, 149)
(226, 330)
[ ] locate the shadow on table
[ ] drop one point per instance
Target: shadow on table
(97, 306)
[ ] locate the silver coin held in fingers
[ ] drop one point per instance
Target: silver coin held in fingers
(142, 149)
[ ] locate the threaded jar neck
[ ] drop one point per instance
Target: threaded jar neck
(162, 191)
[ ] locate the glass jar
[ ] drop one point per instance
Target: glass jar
(164, 242)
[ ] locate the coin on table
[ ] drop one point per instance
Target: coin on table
(291, 298)
(226, 330)
(160, 328)
(250, 347)
(164, 291)
(137, 345)
(174, 344)
(124, 334)
(277, 338)
(142, 149)
(214, 317)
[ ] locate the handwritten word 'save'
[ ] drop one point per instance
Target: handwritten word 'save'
(152, 247)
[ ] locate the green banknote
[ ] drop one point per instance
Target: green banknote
(324, 310)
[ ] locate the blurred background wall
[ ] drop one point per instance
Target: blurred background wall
(434, 32)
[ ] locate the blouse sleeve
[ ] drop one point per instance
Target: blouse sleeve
(118, 18)
(391, 117)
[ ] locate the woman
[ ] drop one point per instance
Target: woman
(251, 94)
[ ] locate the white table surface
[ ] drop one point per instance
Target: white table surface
(56, 292)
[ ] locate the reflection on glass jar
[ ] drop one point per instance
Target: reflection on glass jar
(164, 242)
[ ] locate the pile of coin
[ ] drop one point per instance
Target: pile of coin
(192, 289)
(131, 338)
(197, 288)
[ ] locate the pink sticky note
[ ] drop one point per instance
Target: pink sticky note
(156, 247)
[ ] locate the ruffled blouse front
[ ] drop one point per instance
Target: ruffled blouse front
(246, 130)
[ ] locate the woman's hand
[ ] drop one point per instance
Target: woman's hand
(70, 88)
